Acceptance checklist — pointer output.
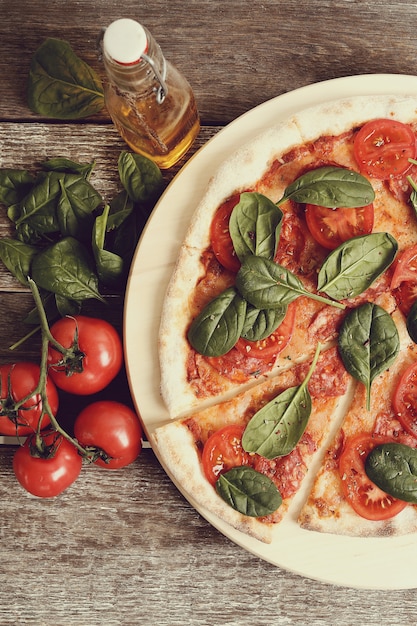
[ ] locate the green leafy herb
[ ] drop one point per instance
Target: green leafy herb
(140, 176)
(278, 426)
(331, 187)
(260, 323)
(350, 269)
(368, 343)
(14, 185)
(61, 85)
(268, 285)
(248, 491)
(67, 166)
(254, 226)
(17, 257)
(219, 325)
(66, 268)
(393, 468)
(109, 265)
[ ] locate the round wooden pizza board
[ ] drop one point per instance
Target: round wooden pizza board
(371, 563)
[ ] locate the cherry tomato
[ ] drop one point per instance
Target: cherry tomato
(221, 242)
(47, 477)
(222, 451)
(98, 354)
(362, 494)
(331, 227)
(404, 399)
(275, 343)
(17, 380)
(404, 279)
(113, 428)
(383, 147)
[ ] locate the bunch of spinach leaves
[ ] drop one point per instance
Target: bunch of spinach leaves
(68, 238)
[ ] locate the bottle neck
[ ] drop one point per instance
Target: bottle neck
(141, 77)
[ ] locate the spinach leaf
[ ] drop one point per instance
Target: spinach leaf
(61, 85)
(350, 269)
(248, 491)
(331, 187)
(109, 265)
(67, 269)
(278, 426)
(17, 257)
(260, 323)
(14, 185)
(67, 166)
(412, 322)
(268, 285)
(255, 225)
(219, 325)
(58, 202)
(121, 206)
(140, 176)
(393, 468)
(368, 343)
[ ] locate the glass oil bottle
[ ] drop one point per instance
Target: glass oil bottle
(151, 104)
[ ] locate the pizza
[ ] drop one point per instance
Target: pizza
(287, 340)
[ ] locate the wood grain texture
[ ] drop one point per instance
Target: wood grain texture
(123, 548)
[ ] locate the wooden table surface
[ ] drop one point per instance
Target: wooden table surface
(124, 547)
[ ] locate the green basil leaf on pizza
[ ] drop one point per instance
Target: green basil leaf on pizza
(331, 187)
(368, 343)
(260, 323)
(393, 468)
(248, 491)
(277, 427)
(219, 325)
(254, 226)
(350, 269)
(268, 285)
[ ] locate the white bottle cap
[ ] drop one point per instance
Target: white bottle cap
(125, 41)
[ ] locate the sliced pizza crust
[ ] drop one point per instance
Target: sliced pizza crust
(179, 442)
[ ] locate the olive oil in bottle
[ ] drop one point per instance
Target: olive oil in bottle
(151, 104)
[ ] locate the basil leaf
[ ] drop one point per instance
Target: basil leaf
(248, 491)
(393, 468)
(38, 208)
(260, 323)
(412, 322)
(14, 185)
(331, 187)
(277, 427)
(268, 285)
(75, 208)
(121, 206)
(368, 343)
(66, 269)
(109, 265)
(17, 257)
(61, 85)
(140, 176)
(254, 226)
(67, 166)
(350, 269)
(219, 325)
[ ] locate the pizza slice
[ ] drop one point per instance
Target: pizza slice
(343, 499)
(285, 419)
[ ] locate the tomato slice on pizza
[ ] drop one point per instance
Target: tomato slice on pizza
(384, 147)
